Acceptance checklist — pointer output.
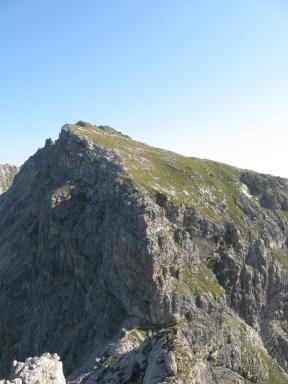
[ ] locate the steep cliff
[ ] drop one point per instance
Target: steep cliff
(138, 265)
(7, 174)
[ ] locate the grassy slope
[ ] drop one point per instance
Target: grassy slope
(254, 359)
(208, 186)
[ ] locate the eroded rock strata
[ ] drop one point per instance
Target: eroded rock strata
(138, 265)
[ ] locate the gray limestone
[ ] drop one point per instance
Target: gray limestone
(131, 287)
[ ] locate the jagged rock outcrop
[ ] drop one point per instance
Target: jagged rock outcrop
(45, 369)
(271, 191)
(138, 265)
(7, 174)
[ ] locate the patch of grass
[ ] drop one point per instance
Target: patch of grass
(111, 360)
(274, 372)
(281, 257)
(251, 363)
(201, 282)
(138, 334)
(184, 363)
(259, 364)
(169, 334)
(142, 333)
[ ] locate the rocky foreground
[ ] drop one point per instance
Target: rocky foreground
(137, 265)
(45, 369)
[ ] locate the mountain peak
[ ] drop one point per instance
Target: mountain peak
(139, 265)
(105, 128)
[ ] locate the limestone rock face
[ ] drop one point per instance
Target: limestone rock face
(45, 369)
(272, 191)
(137, 265)
(7, 174)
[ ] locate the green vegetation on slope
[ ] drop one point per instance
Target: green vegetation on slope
(208, 186)
(258, 365)
(201, 282)
(281, 256)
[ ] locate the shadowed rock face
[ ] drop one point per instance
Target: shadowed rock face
(7, 174)
(271, 191)
(137, 265)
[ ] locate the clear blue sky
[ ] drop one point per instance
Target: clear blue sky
(205, 78)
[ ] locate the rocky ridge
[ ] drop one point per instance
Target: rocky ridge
(138, 265)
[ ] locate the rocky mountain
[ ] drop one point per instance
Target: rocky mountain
(7, 174)
(137, 265)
